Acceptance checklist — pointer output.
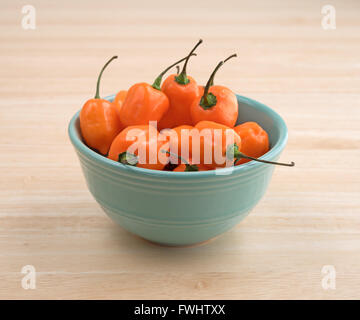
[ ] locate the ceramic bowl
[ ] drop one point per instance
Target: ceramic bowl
(181, 208)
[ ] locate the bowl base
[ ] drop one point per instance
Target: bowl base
(179, 246)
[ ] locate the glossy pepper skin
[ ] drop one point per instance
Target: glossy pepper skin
(254, 140)
(181, 90)
(119, 100)
(145, 102)
(225, 111)
(219, 146)
(99, 122)
(217, 103)
(176, 142)
(180, 99)
(140, 137)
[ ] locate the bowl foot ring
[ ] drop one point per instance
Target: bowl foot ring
(193, 245)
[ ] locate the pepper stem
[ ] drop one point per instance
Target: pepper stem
(228, 58)
(209, 100)
(182, 77)
(157, 82)
(189, 167)
(128, 158)
(233, 152)
(97, 95)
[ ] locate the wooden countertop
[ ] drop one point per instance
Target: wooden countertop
(310, 216)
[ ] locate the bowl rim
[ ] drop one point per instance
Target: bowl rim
(81, 147)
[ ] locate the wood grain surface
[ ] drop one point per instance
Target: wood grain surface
(310, 216)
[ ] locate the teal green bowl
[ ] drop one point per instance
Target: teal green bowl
(181, 208)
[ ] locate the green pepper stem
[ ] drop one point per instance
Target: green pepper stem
(182, 77)
(189, 167)
(228, 58)
(175, 156)
(211, 80)
(128, 158)
(208, 100)
(97, 95)
(157, 82)
(241, 155)
(235, 153)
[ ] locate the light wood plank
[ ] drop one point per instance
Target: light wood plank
(310, 216)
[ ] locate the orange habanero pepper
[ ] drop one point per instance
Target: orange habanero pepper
(212, 144)
(175, 139)
(119, 100)
(254, 140)
(218, 103)
(181, 90)
(140, 138)
(99, 122)
(145, 102)
(229, 150)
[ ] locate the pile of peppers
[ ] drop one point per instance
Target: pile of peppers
(177, 103)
